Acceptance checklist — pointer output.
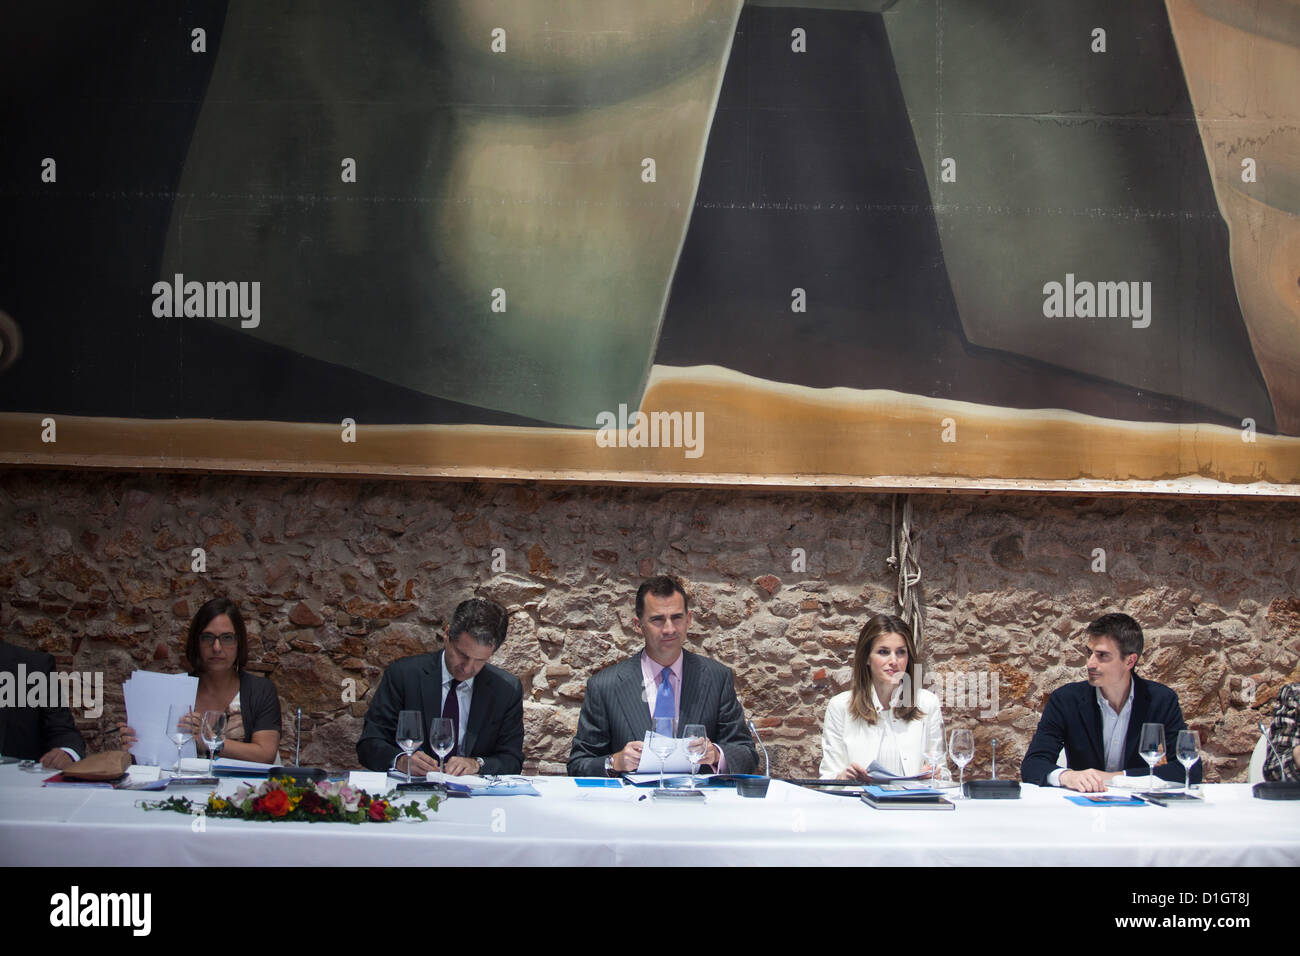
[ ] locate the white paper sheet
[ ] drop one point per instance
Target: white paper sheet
(676, 762)
(148, 695)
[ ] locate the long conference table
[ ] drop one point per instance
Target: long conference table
(571, 826)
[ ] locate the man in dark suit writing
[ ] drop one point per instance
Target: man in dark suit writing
(485, 702)
(1099, 721)
(663, 680)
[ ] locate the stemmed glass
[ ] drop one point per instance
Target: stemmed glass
(1189, 751)
(213, 732)
(663, 733)
(410, 734)
(1151, 745)
(697, 745)
(934, 752)
(174, 732)
(961, 748)
(442, 738)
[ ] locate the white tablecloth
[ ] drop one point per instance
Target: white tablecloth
(572, 826)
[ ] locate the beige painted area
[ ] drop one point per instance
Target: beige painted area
(1244, 81)
(755, 433)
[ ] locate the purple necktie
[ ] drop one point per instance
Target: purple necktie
(664, 703)
(451, 709)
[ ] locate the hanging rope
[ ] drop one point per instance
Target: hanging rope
(902, 557)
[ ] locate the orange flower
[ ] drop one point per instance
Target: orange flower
(276, 803)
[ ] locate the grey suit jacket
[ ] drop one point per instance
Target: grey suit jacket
(495, 727)
(615, 712)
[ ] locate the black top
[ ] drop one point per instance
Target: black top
(259, 705)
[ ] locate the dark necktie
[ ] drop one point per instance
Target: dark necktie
(451, 709)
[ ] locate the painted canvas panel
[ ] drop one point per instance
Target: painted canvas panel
(923, 243)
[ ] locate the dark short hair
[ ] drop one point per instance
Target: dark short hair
(483, 620)
(1122, 629)
(202, 618)
(663, 586)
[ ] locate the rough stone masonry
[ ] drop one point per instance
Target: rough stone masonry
(337, 578)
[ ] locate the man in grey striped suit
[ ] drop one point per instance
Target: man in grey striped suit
(663, 680)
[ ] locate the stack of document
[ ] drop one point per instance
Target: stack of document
(148, 697)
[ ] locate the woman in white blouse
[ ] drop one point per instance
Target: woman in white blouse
(859, 729)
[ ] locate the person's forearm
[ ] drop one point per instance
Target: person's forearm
(238, 750)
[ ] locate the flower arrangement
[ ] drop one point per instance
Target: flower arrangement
(281, 799)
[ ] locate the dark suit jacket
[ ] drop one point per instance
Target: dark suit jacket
(29, 733)
(615, 712)
(494, 729)
(1072, 720)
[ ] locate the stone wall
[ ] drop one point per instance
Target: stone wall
(339, 577)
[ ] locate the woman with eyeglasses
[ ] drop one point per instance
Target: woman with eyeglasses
(217, 652)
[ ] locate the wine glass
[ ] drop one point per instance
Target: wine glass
(1151, 745)
(934, 751)
(697, 745)
(662, 741)
(961, 748)
(1189, 751)
(213, 732)
(410, 734)
(175, 733)
(442, 738)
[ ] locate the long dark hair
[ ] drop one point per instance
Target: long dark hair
(860, 705)
(213, 609)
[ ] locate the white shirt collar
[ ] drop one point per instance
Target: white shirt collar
(1132, 688)
(447, 676)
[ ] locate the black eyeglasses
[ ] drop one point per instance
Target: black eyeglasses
(227, 640)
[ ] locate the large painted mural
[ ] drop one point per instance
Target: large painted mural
(910, 244)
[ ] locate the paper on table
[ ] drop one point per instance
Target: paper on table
(148, 695)
(195, 766)
(1141, 782)
(374, 782)
(676, 762)
(469, 780)
(640, 779)
(231, 764)
(877, 772)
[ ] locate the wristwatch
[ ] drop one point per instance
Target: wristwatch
(480, 764)
(609, 766)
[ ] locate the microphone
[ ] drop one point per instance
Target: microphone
(993, 789)
(298, 773)
(1283, 789)
(767, 761)
(752, 786)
